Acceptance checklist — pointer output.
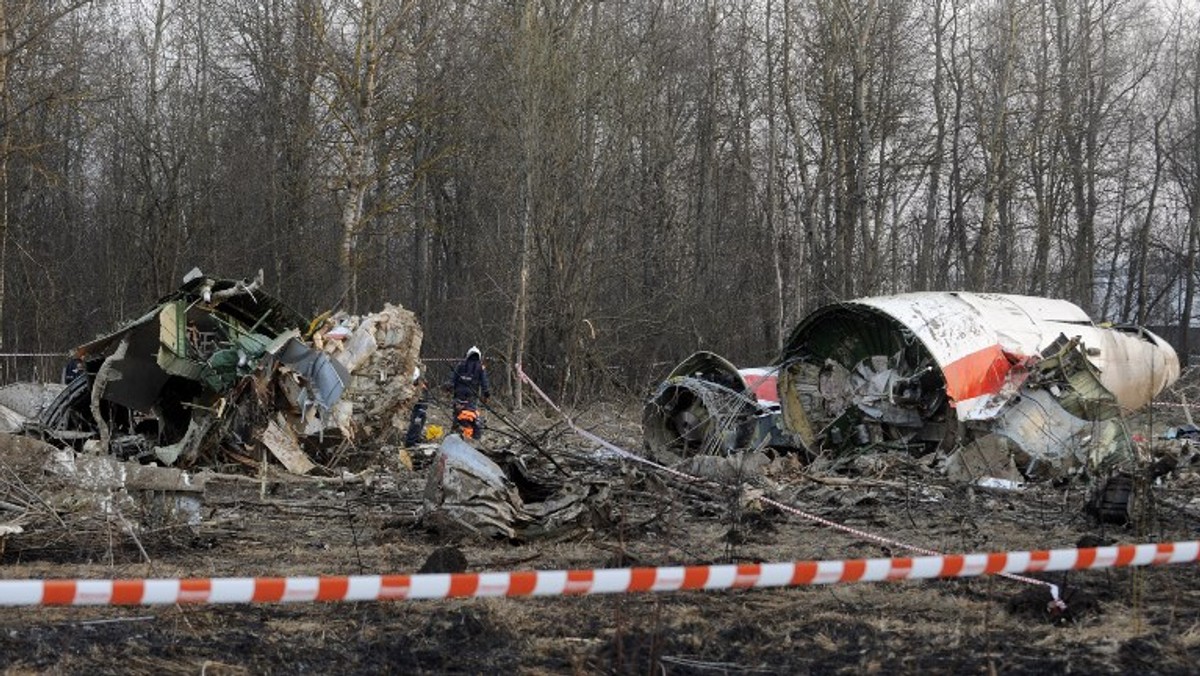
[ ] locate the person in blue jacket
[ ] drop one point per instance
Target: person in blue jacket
(469, 385)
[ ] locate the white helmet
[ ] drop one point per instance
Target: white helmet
(416, 374)
(474, 351)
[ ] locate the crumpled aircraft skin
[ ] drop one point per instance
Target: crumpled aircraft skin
(1003, 386)
(974, 339)
(945, 369)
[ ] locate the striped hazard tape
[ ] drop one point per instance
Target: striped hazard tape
(580, 582)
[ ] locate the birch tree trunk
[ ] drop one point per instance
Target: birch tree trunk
(360, 161)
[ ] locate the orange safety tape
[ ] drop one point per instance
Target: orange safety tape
(580, 582)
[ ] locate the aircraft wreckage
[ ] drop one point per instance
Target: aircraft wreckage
(220, 366)
(707, 405)
(1006, 387)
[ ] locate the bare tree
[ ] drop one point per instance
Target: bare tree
(23, 27)
(1185, 170)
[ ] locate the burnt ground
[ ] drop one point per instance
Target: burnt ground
(1142, 621)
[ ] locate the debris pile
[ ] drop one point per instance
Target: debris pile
(220, 370)
(55, 497)
(380, 352)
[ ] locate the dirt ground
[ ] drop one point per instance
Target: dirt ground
(1141, 621)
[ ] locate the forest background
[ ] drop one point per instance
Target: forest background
(596, 188)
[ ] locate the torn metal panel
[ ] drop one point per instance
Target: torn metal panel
(467, 491)
(327, 378)
(1050, 441)
(130, 375)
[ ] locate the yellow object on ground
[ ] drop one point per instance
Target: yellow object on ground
(434, 433)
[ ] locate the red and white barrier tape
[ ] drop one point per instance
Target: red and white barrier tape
(1055, 601)
(578, 582)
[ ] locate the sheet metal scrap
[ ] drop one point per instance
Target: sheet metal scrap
(1010, 387)
(222, 364)
(707, 406)
(468, 493)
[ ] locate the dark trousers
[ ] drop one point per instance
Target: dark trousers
(416, 424)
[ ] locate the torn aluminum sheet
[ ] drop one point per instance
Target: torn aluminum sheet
(982, 374)
(327, 376)
(467, 492)
(708, 406)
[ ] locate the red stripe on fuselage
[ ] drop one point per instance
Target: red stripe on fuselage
(976, 374)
